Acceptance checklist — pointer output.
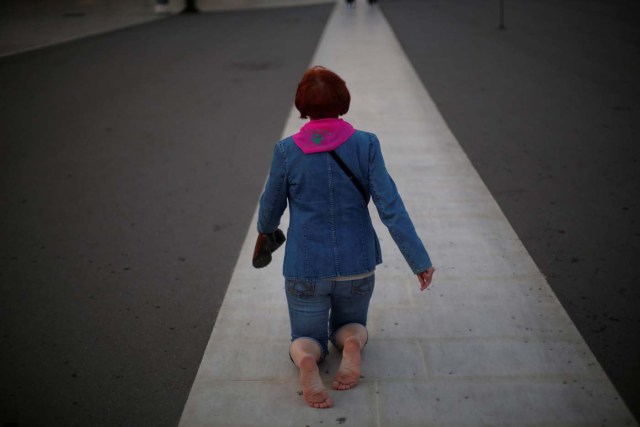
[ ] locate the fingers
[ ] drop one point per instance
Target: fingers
(425, 278)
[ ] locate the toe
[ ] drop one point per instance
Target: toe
(338, 385)
(327, 403)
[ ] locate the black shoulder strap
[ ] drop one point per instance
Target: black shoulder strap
(346, 170)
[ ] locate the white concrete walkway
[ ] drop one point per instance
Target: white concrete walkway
(487, 344)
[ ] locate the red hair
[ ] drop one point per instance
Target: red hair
(322, 94)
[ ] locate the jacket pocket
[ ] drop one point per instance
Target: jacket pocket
(301, 288)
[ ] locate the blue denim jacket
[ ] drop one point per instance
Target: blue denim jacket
(330, 231)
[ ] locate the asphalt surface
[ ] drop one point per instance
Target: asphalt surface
(130, 167)
(131, 163)
(548, 111)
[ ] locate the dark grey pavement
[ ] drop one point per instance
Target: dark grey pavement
(548, 111)
(130, 166)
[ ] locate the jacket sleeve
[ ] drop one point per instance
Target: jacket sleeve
(393, 213)
(273, 201)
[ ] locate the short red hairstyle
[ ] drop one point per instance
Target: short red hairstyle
(322, 94)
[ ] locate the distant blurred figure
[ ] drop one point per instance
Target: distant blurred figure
(351, 3)
(162, 6)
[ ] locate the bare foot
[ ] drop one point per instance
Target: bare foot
(313, 390)
(349, 372)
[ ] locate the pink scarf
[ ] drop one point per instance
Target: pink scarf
(323, 135)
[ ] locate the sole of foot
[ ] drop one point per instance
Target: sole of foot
(349, 372)
(313, 390)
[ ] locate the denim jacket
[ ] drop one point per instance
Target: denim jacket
(330, 231)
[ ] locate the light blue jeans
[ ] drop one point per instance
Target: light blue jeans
(318, 308)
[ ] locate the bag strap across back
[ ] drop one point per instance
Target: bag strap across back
(350, 174)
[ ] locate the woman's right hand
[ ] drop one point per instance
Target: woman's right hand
(425, 278)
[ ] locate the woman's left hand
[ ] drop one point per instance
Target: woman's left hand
(425, 278)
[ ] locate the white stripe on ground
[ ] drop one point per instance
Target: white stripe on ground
(487, 344)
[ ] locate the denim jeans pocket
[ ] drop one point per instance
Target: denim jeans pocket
(301, 288)
(362, 287)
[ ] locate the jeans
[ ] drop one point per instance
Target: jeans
(318, 308)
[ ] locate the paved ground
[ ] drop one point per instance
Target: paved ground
(81, 217)
(129, 171)
(488, 344)
(31, 24)
(548, 111)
